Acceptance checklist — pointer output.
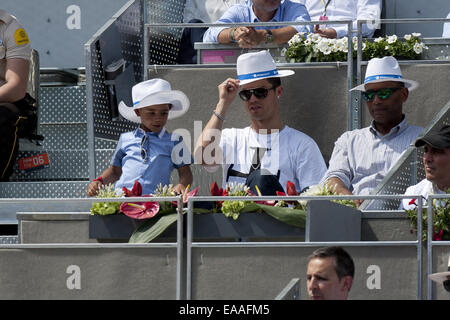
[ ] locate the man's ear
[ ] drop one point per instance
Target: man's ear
(405, 94)
(279, 91)
(137, 112)
(347, 282)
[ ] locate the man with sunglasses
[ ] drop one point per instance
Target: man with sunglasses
(266, 154)
(361, 158)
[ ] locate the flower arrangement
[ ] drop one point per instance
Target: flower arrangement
(312, 47)
(441, 219)
(106, 208)
(163, 212)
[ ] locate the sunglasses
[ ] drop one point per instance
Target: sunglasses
(382, 93)
(446, 284)
(143, 150)
(260, 93)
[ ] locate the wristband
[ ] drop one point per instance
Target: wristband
(218, 116)
(232, 34)
(99, 179)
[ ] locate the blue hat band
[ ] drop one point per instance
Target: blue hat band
(256, 75)
(382, 76)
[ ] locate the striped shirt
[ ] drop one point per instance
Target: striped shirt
(361, 158)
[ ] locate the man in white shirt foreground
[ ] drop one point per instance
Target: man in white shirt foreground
(436, 161)
(267, 153)
(361, 158)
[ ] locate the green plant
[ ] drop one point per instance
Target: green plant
(441, 218)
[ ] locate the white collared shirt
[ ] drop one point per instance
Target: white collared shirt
(361, 158)
(346, 10)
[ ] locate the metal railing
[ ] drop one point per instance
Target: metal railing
(431, 242)
(190, 243)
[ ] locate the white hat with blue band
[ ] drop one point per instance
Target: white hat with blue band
(259, 65)
(153, 92)
(385, 69)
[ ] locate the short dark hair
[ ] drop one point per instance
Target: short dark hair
(343, 262)
(275, 82)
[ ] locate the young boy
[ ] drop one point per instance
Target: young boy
(149, 153)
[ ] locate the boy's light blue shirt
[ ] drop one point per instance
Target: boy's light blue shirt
(164, 152)
(287, 11)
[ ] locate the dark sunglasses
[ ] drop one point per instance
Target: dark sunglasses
(382, 93)
(446, 284)
(260, 93)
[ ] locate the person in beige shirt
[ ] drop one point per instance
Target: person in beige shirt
(15, 53)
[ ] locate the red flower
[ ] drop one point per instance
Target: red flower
(290, 188)
(215, 190)
(140, 210)
(437, 236)
(413, 201)
(135, 192)
(267, 202)
(190, 194)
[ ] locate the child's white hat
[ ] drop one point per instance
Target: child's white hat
(151, 92)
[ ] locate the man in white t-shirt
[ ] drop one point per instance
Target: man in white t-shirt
(436, 161)
(267, 153)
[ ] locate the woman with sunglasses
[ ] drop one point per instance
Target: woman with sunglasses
(361, 158)
(267, 153)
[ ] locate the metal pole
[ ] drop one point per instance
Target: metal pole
(189, 248)
(350, 76)
(179, 246)
(429, 245)
(419, 250)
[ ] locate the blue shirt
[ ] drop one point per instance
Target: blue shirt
(151, 164)
(287, 11)
(361, 158)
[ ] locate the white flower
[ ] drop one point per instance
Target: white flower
(295, 39)
(417, 48)
(379, 39)
(340, 46)
(392, 39)
(283, 52)
(387, 48)
(326, 51)
(355, 39)
(416, 34)
(307, 42)
(316, 38)
(407, 37)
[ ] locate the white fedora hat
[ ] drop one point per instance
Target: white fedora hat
(259, 65)
(441, 276)
(151, 92)
(385, 69)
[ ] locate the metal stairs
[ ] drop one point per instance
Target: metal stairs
(63, 123)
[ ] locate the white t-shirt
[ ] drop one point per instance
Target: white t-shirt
(424, 188)
(294, 154)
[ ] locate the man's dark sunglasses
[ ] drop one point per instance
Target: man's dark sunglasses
(382, 93)
(260, 93)
(446, 284)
